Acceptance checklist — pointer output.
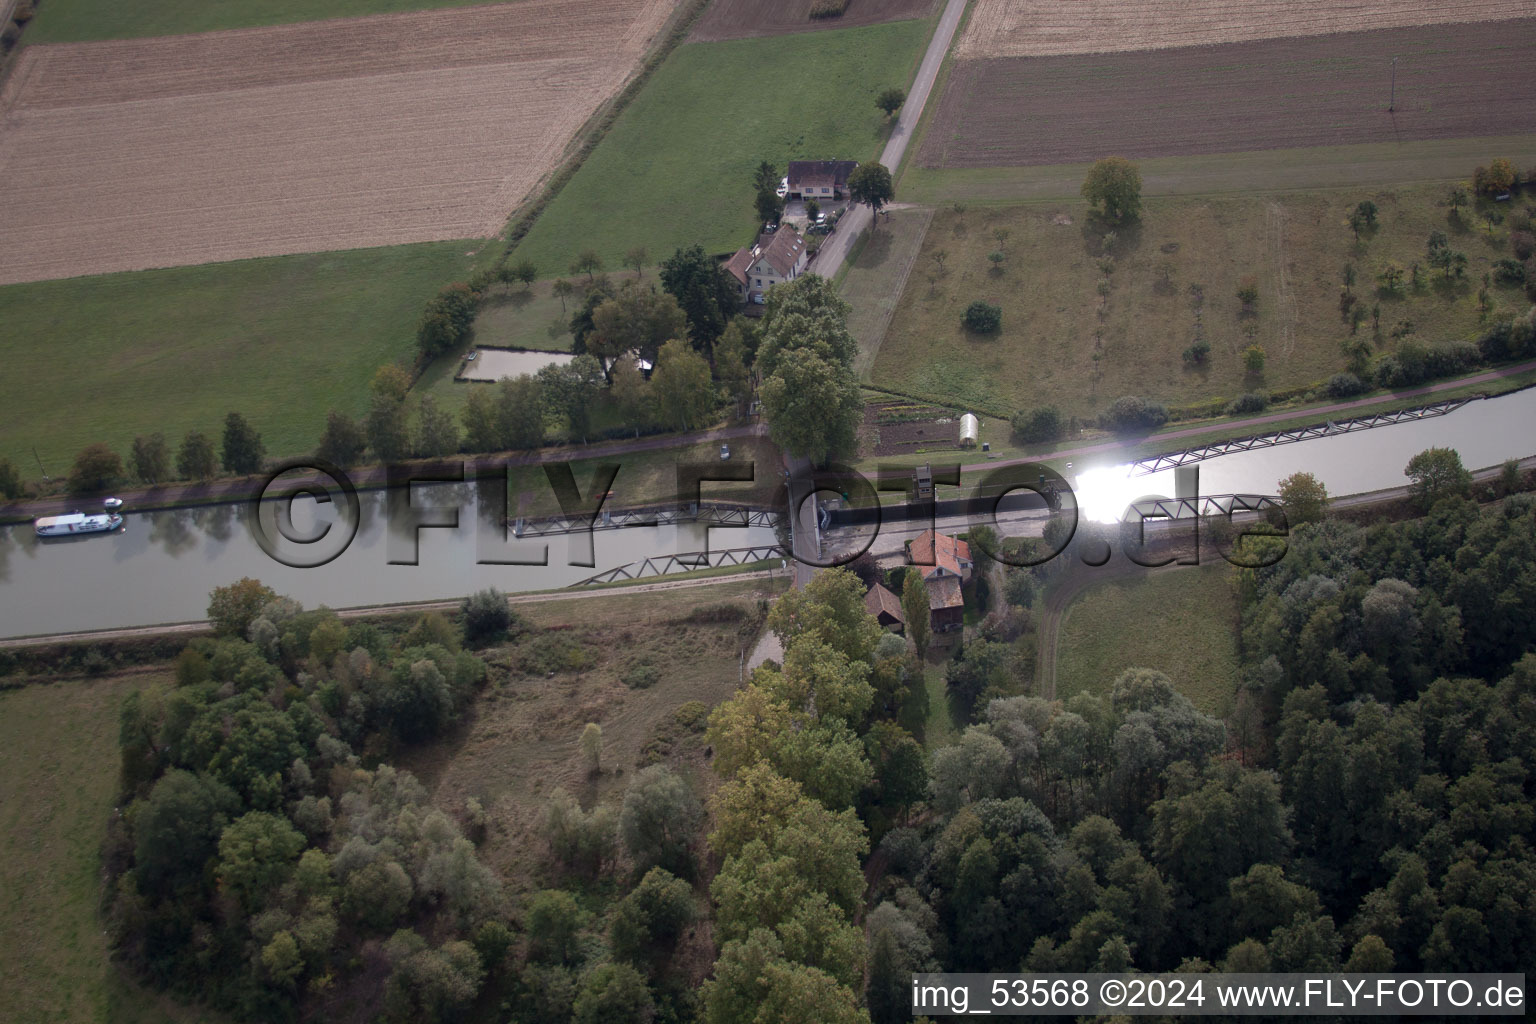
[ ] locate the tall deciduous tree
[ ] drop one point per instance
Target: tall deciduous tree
(659, 821)
(1437, 473)
(1114, 186)
(1304, 498)
(570, 389)
(890, 100)
(682, 387)
(519, 413)
(704, 291)
(388, 428)
(150, 458)
(196, 460)
(871, 185)
(813, 407)
(243, 450)
(343, 441)
(916, 610)
(637, 319)
(95, 468)
(631, 394)
(436, 434)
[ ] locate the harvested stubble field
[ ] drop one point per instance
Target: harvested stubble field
(744, 19)
(1319, 91)
(342, 134)
(1036, 28)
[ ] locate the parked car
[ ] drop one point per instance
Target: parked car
(725, 452)
(783, 189)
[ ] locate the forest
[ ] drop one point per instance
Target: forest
(1366, 807)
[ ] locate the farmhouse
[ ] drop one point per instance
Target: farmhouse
(782, 258)
(820, 179)
(886, 608)
(944, 563)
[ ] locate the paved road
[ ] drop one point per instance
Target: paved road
(853, 224)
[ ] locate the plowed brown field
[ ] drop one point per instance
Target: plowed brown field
(1278, 93)
(745, 19)
(299, 138)
(1040, 28)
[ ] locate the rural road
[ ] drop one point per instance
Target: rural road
(832, 254)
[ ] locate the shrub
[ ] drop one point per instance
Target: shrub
(828, 8)
(1507, 271)
(983, 318)
(1253, 401)
(486, 616)
(1253, 358)
(447, 320)
(1343, 385)
(692, 715)
(1523, 243)
(1133, 412)
(1035, 426)
(642, 675)
(1197, 353)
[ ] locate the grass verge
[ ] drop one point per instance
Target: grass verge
(75, 21)
(1182, 622)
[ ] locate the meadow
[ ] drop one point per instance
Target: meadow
(58, 755)
(1084, 323)
(1181, 622)
(676, 167)
(281, 340)
(71, 21)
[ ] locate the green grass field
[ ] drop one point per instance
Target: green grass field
(281, 340)
(872, 282)
(73, 21)
(676, 168)
(1054, 313)
(58, 756)
(1182, 622)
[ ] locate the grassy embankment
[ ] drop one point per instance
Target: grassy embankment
(1181, 622)
(281, 340)
(1295, 246)
(676, 167)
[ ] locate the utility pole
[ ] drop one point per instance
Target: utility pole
(1392, 102)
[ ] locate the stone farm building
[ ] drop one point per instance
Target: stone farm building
(781, 258)
(819, 179)
(944, 563)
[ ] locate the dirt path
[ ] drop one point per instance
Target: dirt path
(538, 597)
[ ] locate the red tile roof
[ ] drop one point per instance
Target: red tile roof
(737, 265)
(805, 174)
(944, 592)
(783, 250)
(952, 555)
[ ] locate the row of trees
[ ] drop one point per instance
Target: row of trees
(97, 467)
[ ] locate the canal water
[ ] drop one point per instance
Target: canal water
(162, 565)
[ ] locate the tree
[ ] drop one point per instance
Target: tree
(587, 262)
(765, 177)
(1456, 200)
(812, 210)
(391, 382)
(1037, 426)
(682, 387)
(1501, 176)
(447, 320)
(256, 854)
(553, 925)
(659, 820)
(343, 441)
(631, 394)
(519, 413)
(1253, 359)
(150, 458)
(1114, 186)
(523, 271)
(769, 207)
(871, 185)
(196, 460)
(813, 407)
(636, 319)
(1437, 473)
(637, 257)
(614, 993)
(232, 608)
(915, 609)
(487, 616)
(436, 433)
(983, 318)
(592, 748)
(570, 389)
(1304, 498)
(562, 290)
(96, 468)
(10, 480)
(731, 371)
(704, 291)
(388, 429)
(890, 100)
(652, 918)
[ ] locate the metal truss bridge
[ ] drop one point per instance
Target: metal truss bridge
(1203, 506)
(709, 515)
(1328, 429)
(663, 565)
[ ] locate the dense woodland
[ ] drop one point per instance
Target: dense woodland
(1367, 807)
